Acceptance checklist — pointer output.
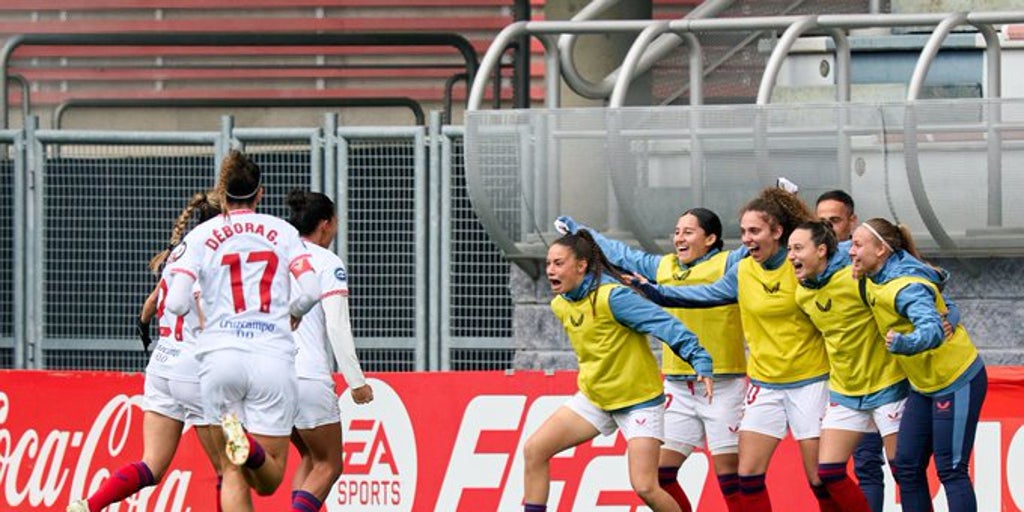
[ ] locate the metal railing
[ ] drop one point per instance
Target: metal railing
(835, 26)
(82, 211)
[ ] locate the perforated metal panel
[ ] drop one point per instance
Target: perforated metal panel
(477, 305)
(7, 220)
(381, 186)
(942, 167)
(107, 210)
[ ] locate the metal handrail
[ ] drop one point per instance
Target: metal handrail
(658, 49)
(222, 103)
(235, 39)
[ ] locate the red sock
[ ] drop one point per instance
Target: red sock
(754, 494)
(843, 491)
(303, 501)
(667, 480)
(123, 483)
(730, 485)
(256, 455)
(825, 501)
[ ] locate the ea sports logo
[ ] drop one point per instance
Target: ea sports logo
(379, 452)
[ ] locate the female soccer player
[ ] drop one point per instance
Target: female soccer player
(947, 376)
(787, 364)
(318, 422)
(172, 395)
(689, 417)
(241, 260)
(867, 389)
(619, 382)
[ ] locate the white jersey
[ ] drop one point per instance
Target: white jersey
(174, 354)
(314, 358)
(242, 262)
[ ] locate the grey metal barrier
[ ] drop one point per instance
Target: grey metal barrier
(81, 212)
(11, 240)
(476, 305)
(660, 160)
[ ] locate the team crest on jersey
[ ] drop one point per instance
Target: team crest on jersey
(824, 307)
(576, 321)
(681, 275)
(774, 288)
(177, 252)
(340, 274)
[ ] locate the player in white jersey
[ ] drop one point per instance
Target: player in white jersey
(242, 260)
(325, 329)
(172, 396)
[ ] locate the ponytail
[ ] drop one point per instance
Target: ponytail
(201, 202)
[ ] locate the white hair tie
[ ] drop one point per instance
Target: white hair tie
(878, 236)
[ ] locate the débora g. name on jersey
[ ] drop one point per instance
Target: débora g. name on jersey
(219, 235)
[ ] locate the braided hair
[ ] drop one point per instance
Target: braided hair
(203, 206)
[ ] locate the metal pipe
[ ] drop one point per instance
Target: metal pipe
(930, 50)
(449, 87)
(696, 54)
(459, 42)
(658, 50)
(435, 355)
(222, 103)
(782, 47)
(26, 93)
(994, 138)
(521, 59)
(629, 64)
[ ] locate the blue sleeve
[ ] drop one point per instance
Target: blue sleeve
(953, 314)
(916, 303)
(735, 256)
(721, 292)
(641, 315)
(628, 258)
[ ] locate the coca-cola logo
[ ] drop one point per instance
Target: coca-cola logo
(380, 455)
(46, 469)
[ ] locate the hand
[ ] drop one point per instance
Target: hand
(637, 280)
(889, 338)
(363, 394)
(947, 328)
(142, 331)
(709, 386)
(566, 226)
(295, 320)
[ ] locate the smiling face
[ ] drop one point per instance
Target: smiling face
(837, 214)
(759, 236)
(690, 240)
(809, 260)
(564, 270)
(867, 253)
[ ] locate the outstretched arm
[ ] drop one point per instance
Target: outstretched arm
(721, 292)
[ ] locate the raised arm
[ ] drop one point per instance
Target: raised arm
(619, 254)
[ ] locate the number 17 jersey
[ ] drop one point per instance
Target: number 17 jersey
(242, 262)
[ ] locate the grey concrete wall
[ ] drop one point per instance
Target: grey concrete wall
(990, 300)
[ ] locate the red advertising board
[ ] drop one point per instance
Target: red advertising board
(444, 442)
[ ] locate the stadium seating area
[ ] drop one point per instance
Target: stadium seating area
(59, 73)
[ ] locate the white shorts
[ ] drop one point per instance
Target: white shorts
(259, 389)
(645, 422)
(885, 419)
(690, 419)
(769, 411)
(176, 399)
(317, 404)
